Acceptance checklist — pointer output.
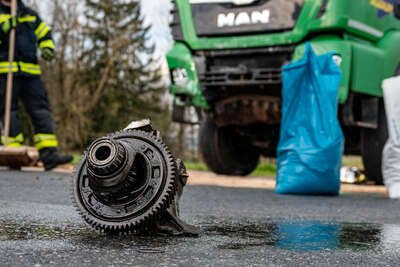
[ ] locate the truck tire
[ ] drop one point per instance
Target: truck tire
(225, 152)
(373, 141)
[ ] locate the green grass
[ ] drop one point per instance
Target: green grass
(77, 158)
(263, 169)
(196, 166)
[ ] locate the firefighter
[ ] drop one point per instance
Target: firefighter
(31, 33)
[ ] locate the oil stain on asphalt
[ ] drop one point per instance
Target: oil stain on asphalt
(78, 237)
(307, 236)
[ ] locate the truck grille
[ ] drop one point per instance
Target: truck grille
(226, 73)
(220, 19)
(221, 76)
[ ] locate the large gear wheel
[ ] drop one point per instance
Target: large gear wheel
(128, 182)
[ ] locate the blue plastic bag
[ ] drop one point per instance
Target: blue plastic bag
(311, 142)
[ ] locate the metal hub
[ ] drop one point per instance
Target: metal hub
(107, 163)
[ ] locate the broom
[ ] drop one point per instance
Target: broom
(14, 157)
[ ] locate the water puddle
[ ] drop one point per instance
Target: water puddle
(309, 236)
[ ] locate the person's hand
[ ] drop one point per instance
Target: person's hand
(9, 24)
(47, 54)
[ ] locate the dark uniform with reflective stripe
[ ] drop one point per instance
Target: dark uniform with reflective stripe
(31, 33)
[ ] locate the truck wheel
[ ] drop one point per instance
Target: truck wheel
(373, 142)
(225, 152)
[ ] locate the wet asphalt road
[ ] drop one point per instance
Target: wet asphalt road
(240, 227)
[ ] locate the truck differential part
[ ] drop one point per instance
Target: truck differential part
(129, 182)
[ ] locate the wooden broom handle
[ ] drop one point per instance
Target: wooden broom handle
(10, 76)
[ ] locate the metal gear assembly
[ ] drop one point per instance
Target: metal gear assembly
(129, 182)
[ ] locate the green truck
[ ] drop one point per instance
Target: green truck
(226, 65)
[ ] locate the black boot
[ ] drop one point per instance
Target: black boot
(51, 158)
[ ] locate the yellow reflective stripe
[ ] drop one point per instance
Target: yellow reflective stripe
(17, 139)
(43, 33)
(30, 68)
(41, 30)
(14, 141)
(42, 137)
(46, 144)
(6, 63)
(5, 66)
(47, 44)
(4, 17)
(45, 141)
(27, 19)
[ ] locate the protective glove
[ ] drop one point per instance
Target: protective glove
(47, 54)
(9, 24)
